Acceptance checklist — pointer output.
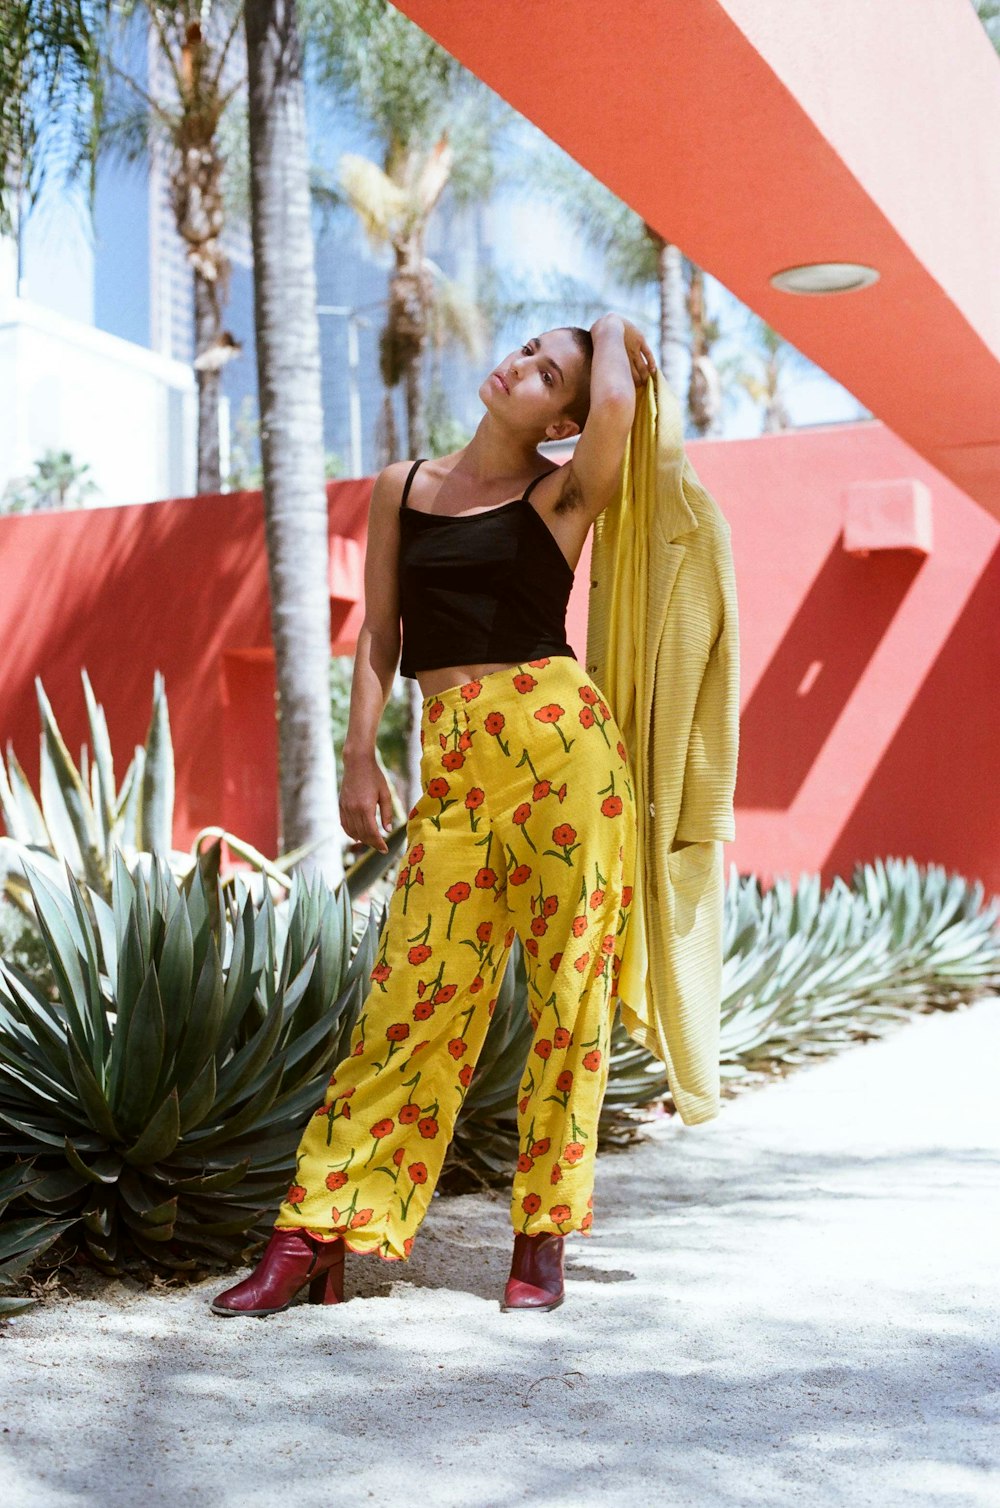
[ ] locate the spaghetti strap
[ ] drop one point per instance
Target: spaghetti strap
(409, 479)
(527, 490)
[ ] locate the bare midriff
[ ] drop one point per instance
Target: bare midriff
(431, 682)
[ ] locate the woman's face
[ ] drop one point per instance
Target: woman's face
(533, 385)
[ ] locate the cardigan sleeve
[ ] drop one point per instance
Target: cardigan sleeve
(707, 801)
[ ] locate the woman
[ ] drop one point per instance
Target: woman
(525, 825)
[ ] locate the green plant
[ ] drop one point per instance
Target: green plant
(160, 1098)
(82, 817)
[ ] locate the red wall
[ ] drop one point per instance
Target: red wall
(870, 716)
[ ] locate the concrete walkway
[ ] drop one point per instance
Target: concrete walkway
(796, 1303)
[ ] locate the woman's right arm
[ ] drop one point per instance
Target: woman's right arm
(364, 791)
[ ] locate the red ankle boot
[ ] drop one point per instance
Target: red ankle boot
(291, 1259)
(536, 1272)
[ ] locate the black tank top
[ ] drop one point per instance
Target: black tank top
(480, 588)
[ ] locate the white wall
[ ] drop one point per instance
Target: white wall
(128, 412)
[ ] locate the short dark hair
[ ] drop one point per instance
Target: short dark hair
(579, 407)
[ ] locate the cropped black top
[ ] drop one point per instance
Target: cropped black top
(482, 587)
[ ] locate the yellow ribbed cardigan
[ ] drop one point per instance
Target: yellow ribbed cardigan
(663, 645)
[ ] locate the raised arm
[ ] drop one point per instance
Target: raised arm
(622, 362)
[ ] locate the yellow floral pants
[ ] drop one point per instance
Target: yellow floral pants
(525, 825)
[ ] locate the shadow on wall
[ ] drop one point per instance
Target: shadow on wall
(938, 779)
(814, 671)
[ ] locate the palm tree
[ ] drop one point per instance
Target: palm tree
(291, 420)
(68, 96)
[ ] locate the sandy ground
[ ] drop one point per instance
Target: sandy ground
(795, 1303)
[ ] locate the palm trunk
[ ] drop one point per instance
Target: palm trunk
(292, 432)
(207, 328)
(673, 345)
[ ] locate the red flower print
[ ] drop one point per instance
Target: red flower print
(465, 739)
(596, 897)
(465, 1075)
(335, 1181)
(438, 787)
(607, 943)
(398, 1156)
(494, 722)
(419, 954)
(408, 1245)
(361, 1218)
(295, 1194)
(460, 891)
(418, 1172)
(398, 1031)
(592, 1059)
(626, 895)
(521, 814)
(509, 934)
(485, 879)
(573, 1151)
(335, 1215)
(453, 760)
(476, 985)
(560, 1037)
(539, 1148)
(530, 1203)
(582, 962)
(474, 797)
(382, 1128)
(564, 1083)
(604, 709)
(484, 931)
(539, 926)
(541, 790)
(428, 1127)
(401, 879)
(563, 835)
(525, 1163)
(611, 806)
(381, 972)
(522, 1103)
(524, 683)
(519, 875)
(445, 993)
(435, 710)
(409, 1113)
(560, 1213)
(470, 691)
(531, 946)
(587, 1220)
(423, 1010)
(550, 713)
(550, 905)
(556, 1175)
(346, 1112)
(579, 926)
(555, 961)
(586, 717)
(621, 750)
(543, 1049)
(588, 695)
(539, 664)
(457, 1047)
(417, 854)
(561, 792)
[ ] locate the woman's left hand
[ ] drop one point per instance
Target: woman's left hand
(641, 358)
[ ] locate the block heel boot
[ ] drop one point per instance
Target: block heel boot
(291, 1259)
(536, 1272)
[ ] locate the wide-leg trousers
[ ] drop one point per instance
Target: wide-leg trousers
(525, 825)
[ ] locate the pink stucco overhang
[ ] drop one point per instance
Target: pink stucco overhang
(762, 134)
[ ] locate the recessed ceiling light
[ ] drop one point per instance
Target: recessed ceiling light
(825, 277)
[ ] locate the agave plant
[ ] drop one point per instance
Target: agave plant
(81, 816)
(160, 1096)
